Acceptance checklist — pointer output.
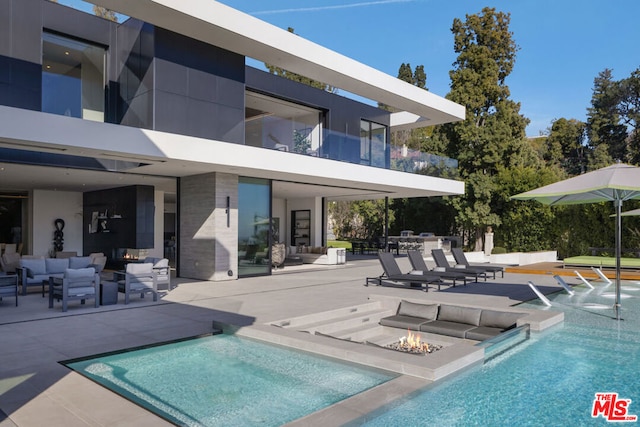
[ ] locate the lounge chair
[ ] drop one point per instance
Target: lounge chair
(392, 273)
(441, 262)
(461, 259)
(418, 264)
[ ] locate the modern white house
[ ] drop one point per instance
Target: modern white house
(153, 136)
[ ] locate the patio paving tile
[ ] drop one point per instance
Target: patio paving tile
(36, 390)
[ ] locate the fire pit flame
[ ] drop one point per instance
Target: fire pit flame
(412, 343)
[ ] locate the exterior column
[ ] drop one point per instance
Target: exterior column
(208, 228)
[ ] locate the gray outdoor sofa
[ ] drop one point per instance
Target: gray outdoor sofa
(35, 271)
(462, 322)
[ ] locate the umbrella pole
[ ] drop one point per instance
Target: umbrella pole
(618, 205)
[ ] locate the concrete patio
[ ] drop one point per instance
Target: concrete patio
(36, 390)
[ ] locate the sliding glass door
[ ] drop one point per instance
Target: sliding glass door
(254, 219)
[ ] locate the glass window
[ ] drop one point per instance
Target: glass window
(254, 219)
(373, 143)
(281, 125)
(73, 78)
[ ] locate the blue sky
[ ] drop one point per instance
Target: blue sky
(563, 44)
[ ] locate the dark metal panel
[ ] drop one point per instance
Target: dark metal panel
(26, 30)
(203, 85)
(171, 112)
(5, 28)
(75, 23)
(171, 77)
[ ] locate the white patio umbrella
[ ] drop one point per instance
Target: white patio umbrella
(616, 183)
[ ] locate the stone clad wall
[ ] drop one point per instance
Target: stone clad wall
(208, 248)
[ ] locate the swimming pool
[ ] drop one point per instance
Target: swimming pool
(227, 380)
(550, 380)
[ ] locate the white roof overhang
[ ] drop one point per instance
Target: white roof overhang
(171, 155)
(219, 25)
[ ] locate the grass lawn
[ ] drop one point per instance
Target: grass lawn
(339, 244)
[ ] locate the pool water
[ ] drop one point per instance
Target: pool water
(224, 380)
(549, 381)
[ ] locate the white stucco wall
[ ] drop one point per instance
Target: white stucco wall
(315, 205)
(279, 210)
(47, 206)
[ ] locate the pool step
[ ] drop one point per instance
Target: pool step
(319, 318)
(350, 321)
(359, 333)
(383, 339)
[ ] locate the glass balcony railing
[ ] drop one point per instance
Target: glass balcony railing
(414, 161)
(348, 148)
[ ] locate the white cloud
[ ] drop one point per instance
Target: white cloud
(320, 8)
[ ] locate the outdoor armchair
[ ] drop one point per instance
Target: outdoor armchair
(76, 284)
(9, 286)
(163, 272)
(161, 267)
(139, 279)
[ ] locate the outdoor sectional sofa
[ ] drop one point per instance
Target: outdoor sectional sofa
(462, 322)
(33, 271)
(318, 255)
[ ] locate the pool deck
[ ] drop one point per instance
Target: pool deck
(559, 268)
(36, 390)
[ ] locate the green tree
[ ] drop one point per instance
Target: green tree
(405, 73)
(362, 220)
(105, 13)
(493, 133)
(526, 226)
(414, 138)
(297, 77)
(629, 110)
(603, 119)
(566, 146)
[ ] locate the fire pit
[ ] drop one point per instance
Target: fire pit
(413, 344)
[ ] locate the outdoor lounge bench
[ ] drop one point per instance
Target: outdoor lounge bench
(451, 320)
